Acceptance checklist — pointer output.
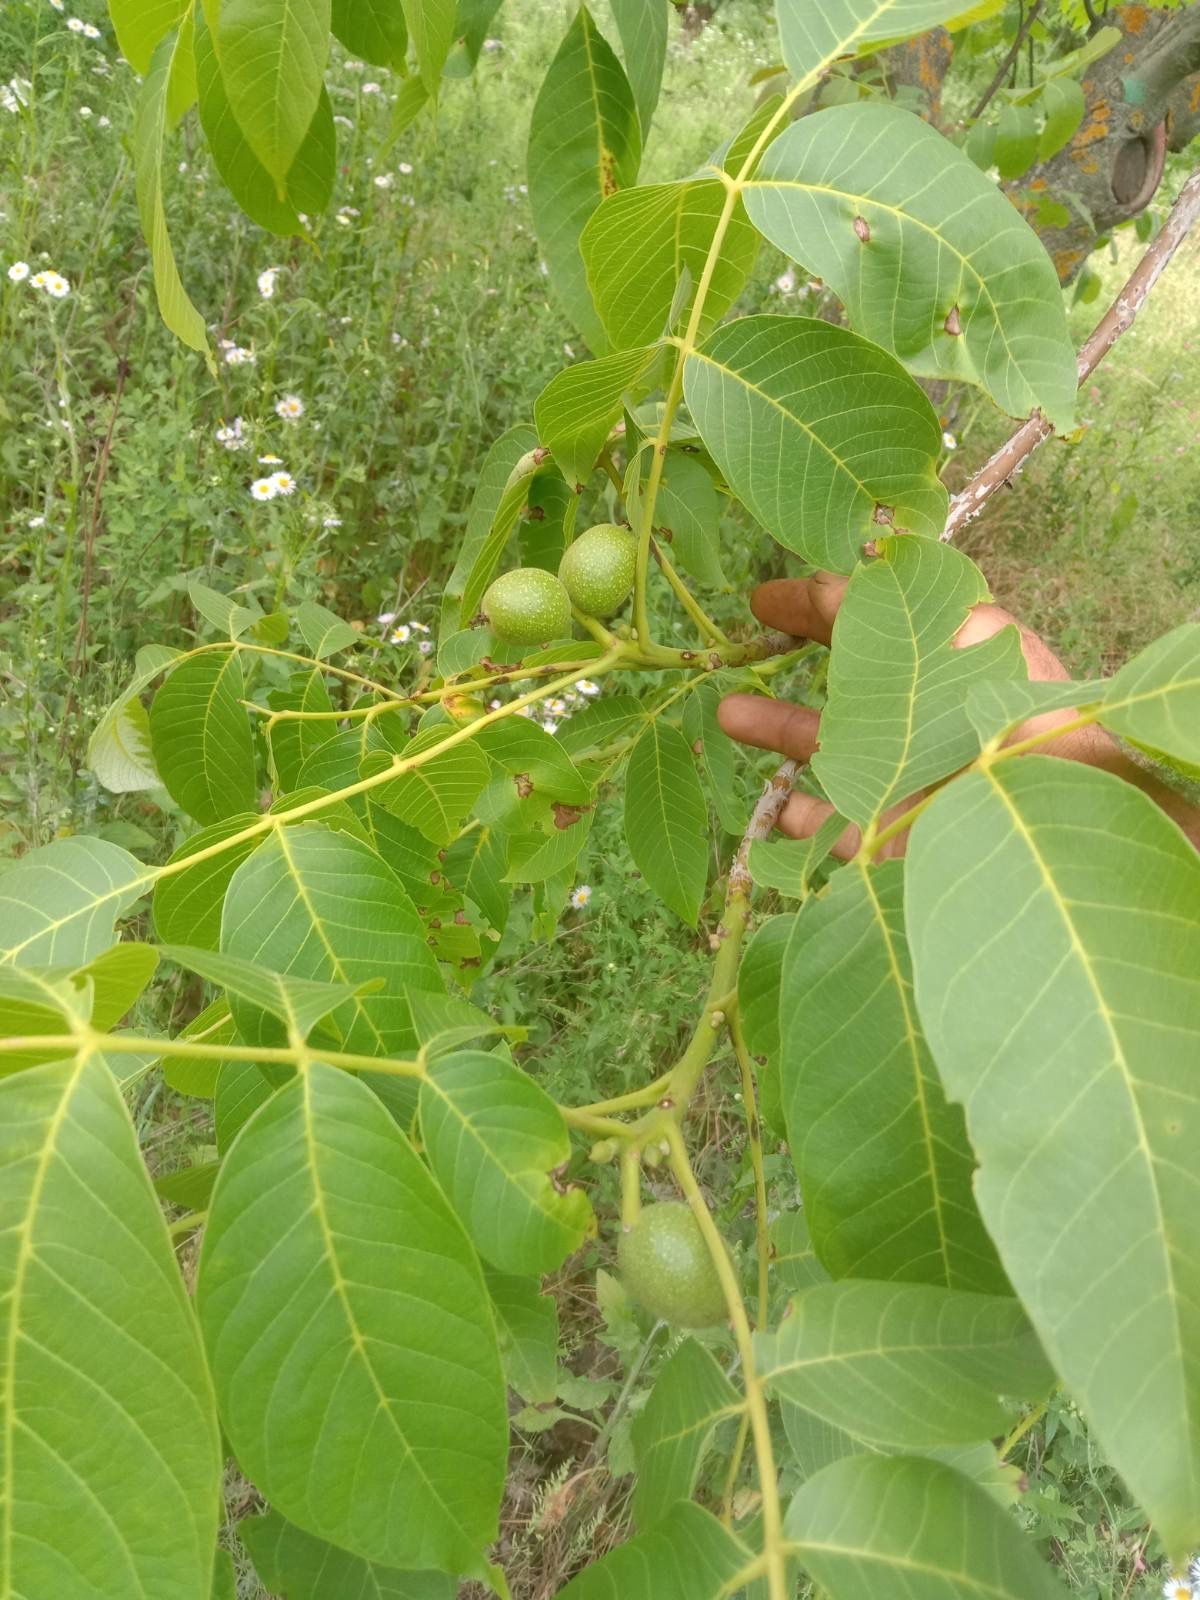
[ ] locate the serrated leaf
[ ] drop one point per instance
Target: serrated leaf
(495, 1141)
(815, 429)
(335, 1281)
(666, 821)
(323, 630)
(641, 243)
(58, 903)
(896, 716)
(527, 1325)
(97, 1325)
(884, 1163)
(149, 138)
(296, 1564)
(272, 56)
(576, 410)
(949, 277)
(309, 182)
(584, 143)
(1155, 698)
(916, 1528)
(905, 1366)
(674, 1429)
(201, 738)
(1058, 986)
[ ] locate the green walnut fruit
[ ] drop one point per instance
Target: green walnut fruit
(666, 1267)
(527, 606)
(597, 570)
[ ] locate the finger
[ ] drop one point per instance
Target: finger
(770, 724)
(804, 607)
(803, 815)
(985, 620)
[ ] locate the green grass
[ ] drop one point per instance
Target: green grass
(413, 331)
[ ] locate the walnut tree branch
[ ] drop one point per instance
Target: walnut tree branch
(1118, 319)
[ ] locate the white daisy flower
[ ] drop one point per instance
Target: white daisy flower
(383, 180)
(103, 122)
(85, 112)
(556, 707)
(57, 285)
(90, 31)
(38, 281)
(264, 489)
(266, 281)
(949, 440)
(290, 407)
(19, 271)
(236, 356)
(284, 483)
(786, 283)
(402, 634)
(586, 686)
(550, 725)
(59, 5)
(405, 167)
(386, 618)
(75, 24)
(270, 461)
(581, 896)
(1177, 1589)
(37, 522)
(371, 88)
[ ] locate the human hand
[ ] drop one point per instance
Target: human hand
(807, 609)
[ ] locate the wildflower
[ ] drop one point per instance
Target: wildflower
(332, 522)
(236, 356)
(58, 5)
(491, 45)
(284, 483)
(556, 707)
(586, 686)
(568, 352)
(270, 461)
(581, 896)
(290, 408)
(103, 122)
(37, 522)
(386, 618)
(75, 24)
(85, 112)
(383, 180)
(1177, 1589)
(90, 31)
(786, 283)
(949, 440)
(231, 435)
(264, 489)
(401, 634)
(266, 281)
(425, 646)
(356, 66)
(19, 271)
(371, 88)
(550, 725)
(405, 167)
(421, 627)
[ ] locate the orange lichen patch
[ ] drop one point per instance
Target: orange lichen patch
(1128, 57)
(1095, 125)
(1088, 165)
(1133, 19)
(1065, 262)
(1137, 121)
(1037, 183)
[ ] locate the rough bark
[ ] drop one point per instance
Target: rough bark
(1142, 98)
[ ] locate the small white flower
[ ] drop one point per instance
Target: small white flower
(90, 31)
(371, 88)
(270, 461)
(556, 707)
(58, 5)
(494, 705)
(19, 271)
(332, 522)
(581, 896)
(37, 522)
(949, 440)
(356, 66)
(586, 686)
(383, 180)
(54, 284)
(1177, 1589)
(38, 281)
(526, 711)
(491, 45)
(786, 283)
(264, 489)
(103, 122)
(421, 627)
(284, 483)
(85, 112)
(405, 167)
(290, 408)
(386, 618)
(425, 646)
(550, 725)
(266, 281)
(75, 24)
(568, 352)
(236, 356)
(401, 634)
